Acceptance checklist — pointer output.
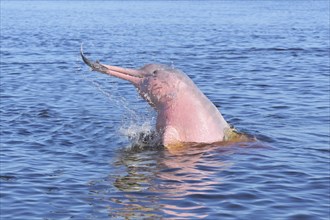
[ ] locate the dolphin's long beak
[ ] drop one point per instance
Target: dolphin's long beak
(134, 76)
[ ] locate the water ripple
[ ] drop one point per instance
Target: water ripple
(67, 133)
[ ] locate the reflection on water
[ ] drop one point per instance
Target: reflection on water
(156, 182)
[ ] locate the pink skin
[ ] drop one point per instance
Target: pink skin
(185, 114)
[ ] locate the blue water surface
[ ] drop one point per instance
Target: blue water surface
(66, 132)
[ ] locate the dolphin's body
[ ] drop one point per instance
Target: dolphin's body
(184, 113)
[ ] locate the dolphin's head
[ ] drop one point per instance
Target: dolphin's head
(161, 84)
(158, 84)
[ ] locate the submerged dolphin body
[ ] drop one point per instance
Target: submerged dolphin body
(184, 113)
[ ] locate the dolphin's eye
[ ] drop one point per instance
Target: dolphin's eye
(154, 72)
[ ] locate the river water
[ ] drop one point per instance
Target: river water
(67, 133)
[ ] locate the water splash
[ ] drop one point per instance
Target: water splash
(110, 94)
(138, 127)
(141, 136)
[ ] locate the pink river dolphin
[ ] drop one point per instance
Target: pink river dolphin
(184, 113)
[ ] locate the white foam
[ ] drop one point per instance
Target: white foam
(141, 135)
